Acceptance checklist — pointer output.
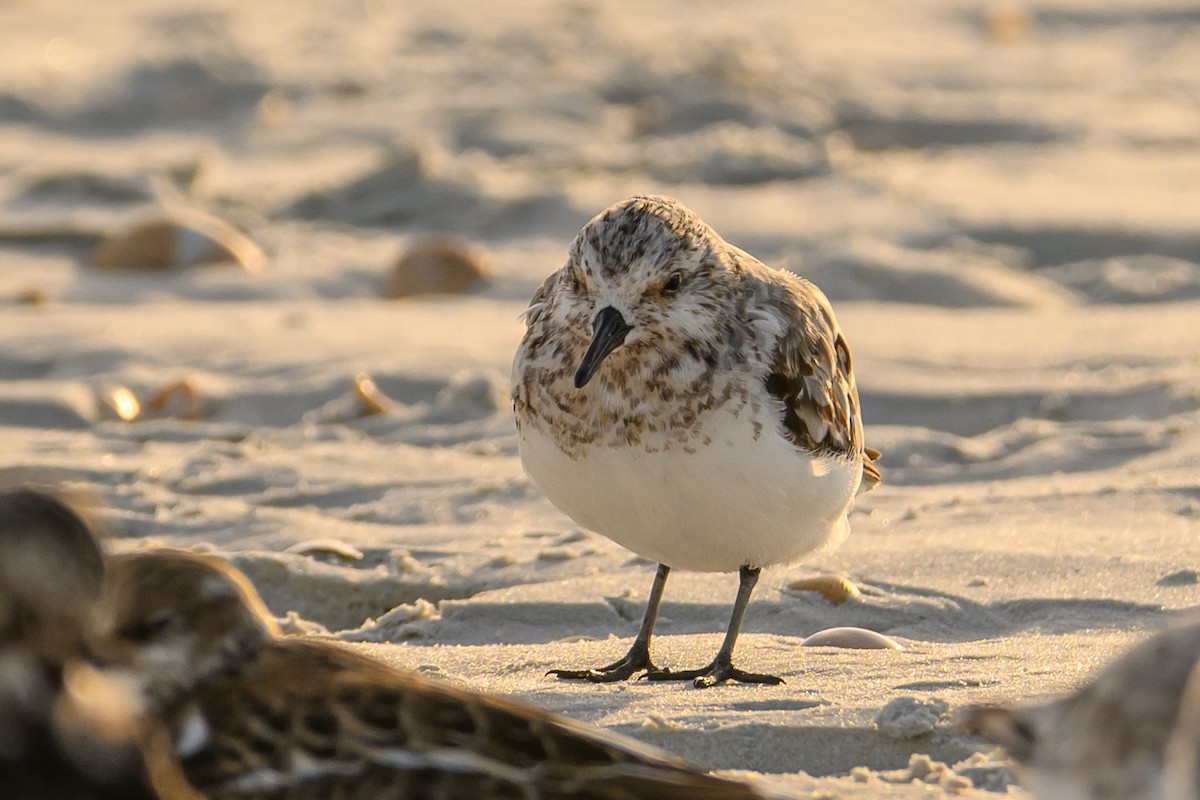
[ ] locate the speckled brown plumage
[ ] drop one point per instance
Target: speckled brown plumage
(283, 718)
(677, 395)
(805, 366)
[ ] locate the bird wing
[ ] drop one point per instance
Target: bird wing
(812, 374)
(313, 719)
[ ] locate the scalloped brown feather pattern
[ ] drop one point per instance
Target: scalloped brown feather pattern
(313, 720)
(812, 372)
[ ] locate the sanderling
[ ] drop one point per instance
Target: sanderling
(256, 715)
(66, 731)
(690, 403)
(1123, 735)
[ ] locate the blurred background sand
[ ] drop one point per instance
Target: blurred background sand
(1000, 200)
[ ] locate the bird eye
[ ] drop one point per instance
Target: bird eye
(673, 283)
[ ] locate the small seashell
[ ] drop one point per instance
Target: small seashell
(363, 400)
(436, 266)
(166, 243)
(851, 639)
(372, 400)
(335, 547)
(119, 403)
(180, 399)
(837, 589)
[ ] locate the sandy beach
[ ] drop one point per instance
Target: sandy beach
(998, 198)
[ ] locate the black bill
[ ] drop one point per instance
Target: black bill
(608, 332)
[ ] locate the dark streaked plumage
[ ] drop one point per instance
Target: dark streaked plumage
(254, 715)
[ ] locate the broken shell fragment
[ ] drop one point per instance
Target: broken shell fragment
(372, 400)
(837, 589)
(119, 403)
(166, 243)
(436, 266)
(851, 639)
(363, 400)
(326, 547)
(180, 399)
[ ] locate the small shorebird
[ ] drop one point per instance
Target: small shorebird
(65, 730)
(1132, 733)
(690, 403)
(256, 715)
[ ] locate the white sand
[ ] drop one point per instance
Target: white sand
(1009, 232)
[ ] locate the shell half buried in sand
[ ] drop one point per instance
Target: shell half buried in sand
(364, 399)
(851, 639)
(437, 265)
(180, 399)
(837, 589)
(177, 241)
(326, 547)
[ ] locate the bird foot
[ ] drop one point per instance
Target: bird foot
(635, 661)
(719, 671)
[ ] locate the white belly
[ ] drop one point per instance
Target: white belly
(734, 502)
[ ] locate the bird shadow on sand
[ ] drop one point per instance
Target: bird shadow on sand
(911, 613)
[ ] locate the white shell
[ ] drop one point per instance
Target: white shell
(851, 639)
(336, 547)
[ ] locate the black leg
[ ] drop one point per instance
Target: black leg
(722, 669)
(638, 657)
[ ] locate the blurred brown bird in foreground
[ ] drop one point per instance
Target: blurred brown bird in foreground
(255, 715)
(1132, 733)
(66, 730)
